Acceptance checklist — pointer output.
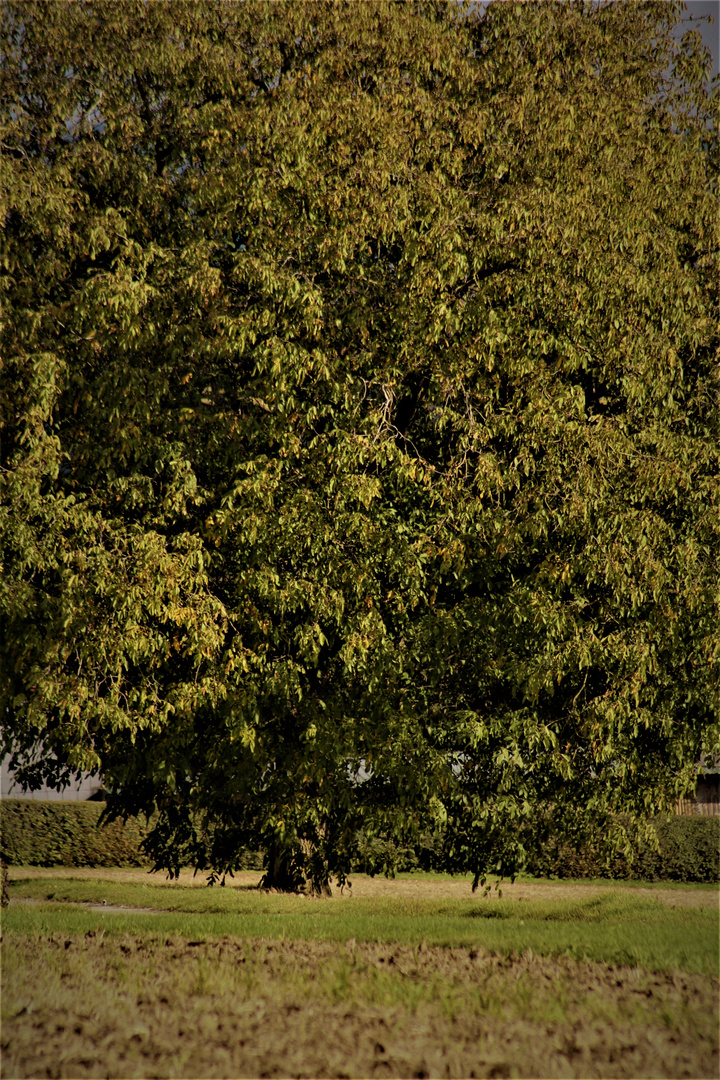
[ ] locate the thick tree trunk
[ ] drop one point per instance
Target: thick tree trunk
(285, 873)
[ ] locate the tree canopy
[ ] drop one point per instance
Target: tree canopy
(360, 443)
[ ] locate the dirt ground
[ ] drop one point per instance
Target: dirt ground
(363, 886)
(120, 1007)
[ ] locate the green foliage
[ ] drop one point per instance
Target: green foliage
(359, 419)
(382, 855)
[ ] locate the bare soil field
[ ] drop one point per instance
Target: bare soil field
(127, 1007)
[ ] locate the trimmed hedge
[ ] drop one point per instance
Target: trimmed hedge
(689, 851)
(34, 833)
(67, 834)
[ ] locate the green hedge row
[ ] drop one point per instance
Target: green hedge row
(689, 851)
(68, 834)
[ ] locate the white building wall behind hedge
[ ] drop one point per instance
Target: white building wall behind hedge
(76, 792)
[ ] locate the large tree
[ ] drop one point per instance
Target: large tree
(360, 419)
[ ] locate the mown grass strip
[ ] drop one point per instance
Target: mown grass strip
(642, 933)
(157, 893)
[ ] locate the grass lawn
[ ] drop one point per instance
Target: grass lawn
(112, 973)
